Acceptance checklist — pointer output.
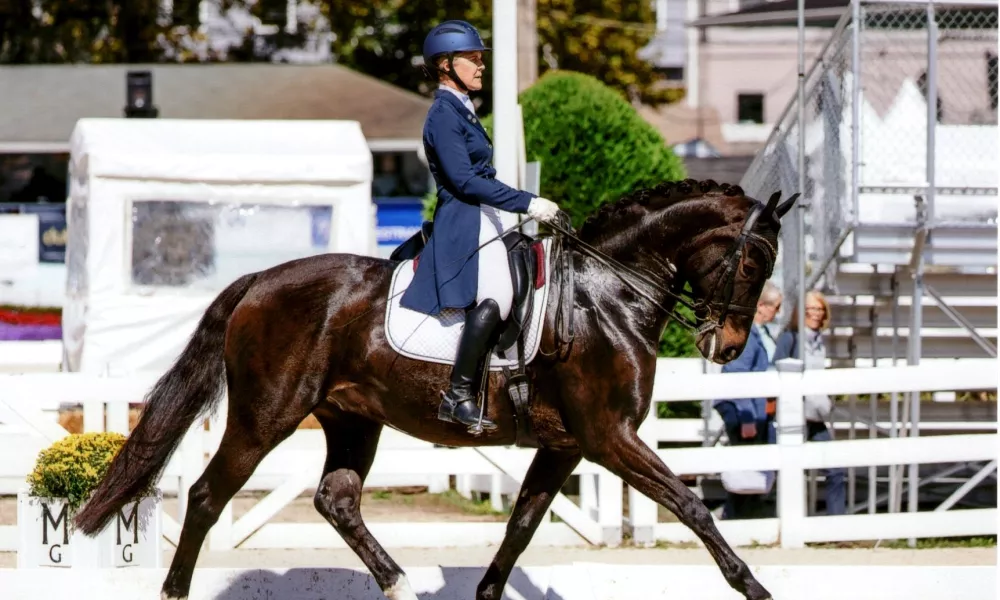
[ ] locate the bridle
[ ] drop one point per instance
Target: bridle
(716, 310)
(730, 263)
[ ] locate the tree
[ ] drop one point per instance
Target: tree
(71, 31)
(136, 31)
(384, 39)
(601, 38)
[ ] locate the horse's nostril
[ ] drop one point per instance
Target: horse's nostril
(729, 353)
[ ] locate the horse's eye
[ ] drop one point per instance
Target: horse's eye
(747, 269)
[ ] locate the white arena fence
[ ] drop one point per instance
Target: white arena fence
(601, 514)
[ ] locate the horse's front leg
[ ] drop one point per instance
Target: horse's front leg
(546, 476)
(624, 454)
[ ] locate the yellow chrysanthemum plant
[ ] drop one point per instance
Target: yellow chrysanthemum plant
(64, 478)
(71, 468)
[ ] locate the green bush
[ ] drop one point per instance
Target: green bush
(429, 202)
(594, 148)
(593, 145)
(676, 341)
(72, 467)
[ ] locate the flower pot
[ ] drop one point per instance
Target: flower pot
(47, 537)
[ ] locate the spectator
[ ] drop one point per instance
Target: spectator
(767, 308)
(818, 407)
(747, 420)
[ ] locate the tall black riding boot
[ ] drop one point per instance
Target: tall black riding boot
(459, 403)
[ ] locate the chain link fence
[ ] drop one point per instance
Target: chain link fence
(871, 171)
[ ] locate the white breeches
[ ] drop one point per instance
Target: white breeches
(494, 270)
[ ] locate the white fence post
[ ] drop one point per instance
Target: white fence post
(117, 417)
(93, 416)
(589, 501)
(642, 512)
(438, 484)
(791, 475)
(496, 491)
(192, 457)
(609, 508)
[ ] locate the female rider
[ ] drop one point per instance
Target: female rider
(451, 273)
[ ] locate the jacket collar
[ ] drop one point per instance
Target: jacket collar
(452, 99)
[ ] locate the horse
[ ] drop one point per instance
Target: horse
(307, 337)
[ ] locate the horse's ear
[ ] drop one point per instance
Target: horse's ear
(771, 203)
(786, 205)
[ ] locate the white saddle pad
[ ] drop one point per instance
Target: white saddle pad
(435, 338)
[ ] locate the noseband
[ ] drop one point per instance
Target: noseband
(716, 310)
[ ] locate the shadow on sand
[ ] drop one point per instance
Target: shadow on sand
(349, 584)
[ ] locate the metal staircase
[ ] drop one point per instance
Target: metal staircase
(899, 193)
(897, 222)
(872, 313)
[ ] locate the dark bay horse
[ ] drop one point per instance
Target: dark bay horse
(307, 337)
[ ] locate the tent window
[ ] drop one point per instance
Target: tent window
(400, 174)
(205, 247)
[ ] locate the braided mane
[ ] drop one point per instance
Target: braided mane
(615, 216)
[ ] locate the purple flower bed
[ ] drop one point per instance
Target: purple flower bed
(10, 332)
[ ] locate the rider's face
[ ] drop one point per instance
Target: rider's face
(469, 67)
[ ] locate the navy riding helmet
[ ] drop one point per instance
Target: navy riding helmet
(446, 39)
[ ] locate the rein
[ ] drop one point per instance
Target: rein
(717, 310)
(564, 322)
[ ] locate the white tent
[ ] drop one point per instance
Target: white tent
(163, 214)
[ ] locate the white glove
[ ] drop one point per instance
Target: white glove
(543, 209)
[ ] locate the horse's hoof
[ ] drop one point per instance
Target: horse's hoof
(755, 591)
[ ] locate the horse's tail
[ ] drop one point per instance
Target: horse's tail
(191, 387)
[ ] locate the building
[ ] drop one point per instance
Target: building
(740, 66)
(40, 105)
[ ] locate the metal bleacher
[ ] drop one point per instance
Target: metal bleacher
(968, 244)
(897, 220)
(871, 312)
(899, 200)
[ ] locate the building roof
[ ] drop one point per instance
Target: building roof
(678, 123)
(819, 13)
(41, 104)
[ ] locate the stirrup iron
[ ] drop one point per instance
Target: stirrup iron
(484, 389)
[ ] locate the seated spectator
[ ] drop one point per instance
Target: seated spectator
(818, 407)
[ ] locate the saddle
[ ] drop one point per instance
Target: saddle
(524, 255)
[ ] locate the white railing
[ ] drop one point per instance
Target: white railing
(599, 516)
(790, 457)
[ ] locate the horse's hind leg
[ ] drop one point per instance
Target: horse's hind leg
(249, 436)
(628, 457)
(546, 475)
(351, 442)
